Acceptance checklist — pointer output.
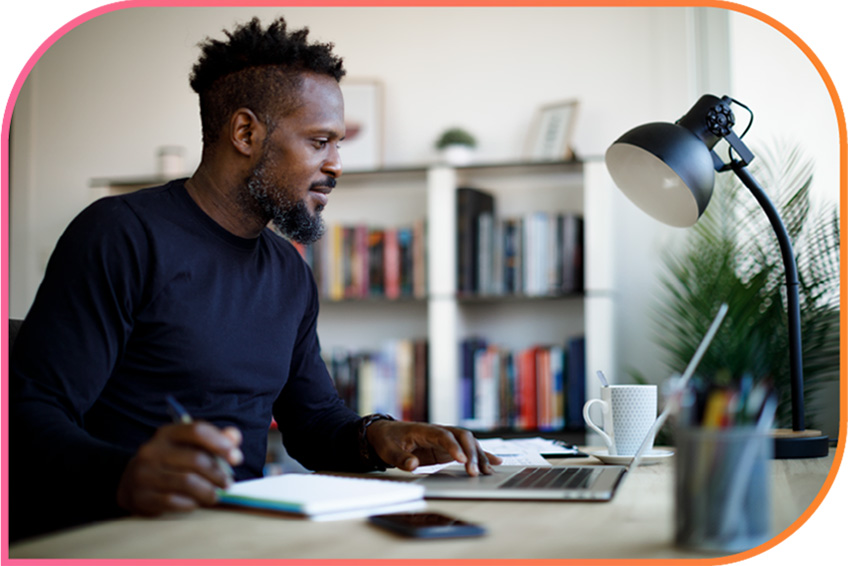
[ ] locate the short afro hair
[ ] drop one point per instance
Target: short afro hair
(256, 69)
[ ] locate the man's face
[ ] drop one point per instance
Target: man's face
(300, 161)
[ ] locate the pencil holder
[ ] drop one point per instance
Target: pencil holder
(722, 489)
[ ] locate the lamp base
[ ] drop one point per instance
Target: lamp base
(808, 443)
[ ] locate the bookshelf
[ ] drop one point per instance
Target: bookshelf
(401, 196)
(515, 321)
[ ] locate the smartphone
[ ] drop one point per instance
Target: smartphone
(427, 525)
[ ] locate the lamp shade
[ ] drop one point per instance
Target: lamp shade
(665, 169)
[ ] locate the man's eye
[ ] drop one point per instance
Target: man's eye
(320, 143)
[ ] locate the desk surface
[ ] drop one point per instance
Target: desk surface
(641, 515)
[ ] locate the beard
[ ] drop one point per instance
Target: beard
(290, 217)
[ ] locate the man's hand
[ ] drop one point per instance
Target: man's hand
(177, 469)
(407, 445)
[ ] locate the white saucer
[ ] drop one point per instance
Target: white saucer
(650, 457)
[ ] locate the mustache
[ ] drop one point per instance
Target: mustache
(329, 182)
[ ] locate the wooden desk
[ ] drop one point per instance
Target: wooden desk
(638, 523)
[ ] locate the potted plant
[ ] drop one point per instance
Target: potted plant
(456, 146)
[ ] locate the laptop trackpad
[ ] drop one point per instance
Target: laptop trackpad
(457, 476)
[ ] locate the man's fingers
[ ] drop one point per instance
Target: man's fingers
(188, 484)
(396, 456)
(493, 459)
(208, 438)
(409, 462)
(180, 468)
(150, 487)
(157, 502)
(446, 441)
(464, 448)
(397, 443)
(198, 462)
(469, 449)
(187, 470)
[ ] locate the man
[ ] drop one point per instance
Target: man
(182, 290)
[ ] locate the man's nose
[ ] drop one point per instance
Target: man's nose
(333, 165)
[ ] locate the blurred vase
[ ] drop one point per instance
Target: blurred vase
(457, 154)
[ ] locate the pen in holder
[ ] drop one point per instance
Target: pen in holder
(722, 485)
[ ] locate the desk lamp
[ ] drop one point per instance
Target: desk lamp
(668, 170)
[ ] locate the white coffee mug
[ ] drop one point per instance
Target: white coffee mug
(628, 413)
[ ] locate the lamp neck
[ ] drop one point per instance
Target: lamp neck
(792, 301)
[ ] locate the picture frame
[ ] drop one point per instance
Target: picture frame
(362, 148)
(551, 135)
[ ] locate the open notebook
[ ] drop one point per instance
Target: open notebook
(323, 497)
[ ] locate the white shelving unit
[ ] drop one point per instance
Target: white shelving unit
(396, 197)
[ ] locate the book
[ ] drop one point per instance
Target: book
(360, 270)
(324, 497)
(405, 260)
(506, 390)
(343, 376)
(405, 368)
(391, 263)
(526, 389)
(468, 351)
(544, 389)
(419, 259)
(470, 204)
(535, 253)
(575, 382)
(557, 388)
(486, 372)
(497, 275)
(365, 383)
(376, 275)
(348, 263)
(485, 253)
(386, 392)
(336, 262)
(571, 260)
(513, 261)
(421, 385)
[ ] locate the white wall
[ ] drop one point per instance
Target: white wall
(110, 92)
(789, 98)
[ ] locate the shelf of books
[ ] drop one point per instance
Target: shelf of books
(477, 296)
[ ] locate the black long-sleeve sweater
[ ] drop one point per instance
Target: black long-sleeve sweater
(146, 295)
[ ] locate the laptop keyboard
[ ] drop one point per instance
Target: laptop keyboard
(549, 478)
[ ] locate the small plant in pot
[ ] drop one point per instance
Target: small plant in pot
(456, 146)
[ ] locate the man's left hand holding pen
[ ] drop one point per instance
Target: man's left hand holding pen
(181, 467)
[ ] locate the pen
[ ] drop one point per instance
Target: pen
(181, 416)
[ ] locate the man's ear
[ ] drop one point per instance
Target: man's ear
(247, 132)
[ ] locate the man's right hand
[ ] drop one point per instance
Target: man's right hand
(178, 470)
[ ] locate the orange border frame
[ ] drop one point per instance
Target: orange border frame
(721, 4)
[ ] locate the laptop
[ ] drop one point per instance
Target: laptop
(540, 483)
(554, 483)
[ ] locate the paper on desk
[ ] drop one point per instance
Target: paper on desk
(513, 452)
(546, 447)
